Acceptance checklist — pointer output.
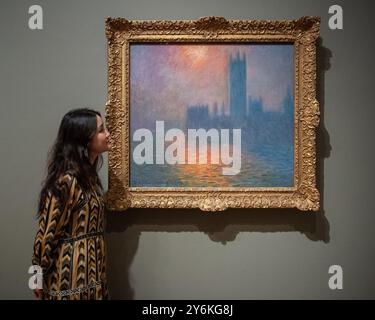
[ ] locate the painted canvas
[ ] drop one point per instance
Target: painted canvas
(211, 115)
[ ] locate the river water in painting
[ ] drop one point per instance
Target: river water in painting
(261, 166)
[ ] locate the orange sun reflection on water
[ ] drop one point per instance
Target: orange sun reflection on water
(206, 173)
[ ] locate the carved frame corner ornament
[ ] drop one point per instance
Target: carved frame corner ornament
(302, 33)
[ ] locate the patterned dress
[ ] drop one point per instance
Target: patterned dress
(69, 245)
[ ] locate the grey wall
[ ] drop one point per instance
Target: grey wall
(187, 254)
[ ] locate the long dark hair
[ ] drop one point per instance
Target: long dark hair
(70, 154)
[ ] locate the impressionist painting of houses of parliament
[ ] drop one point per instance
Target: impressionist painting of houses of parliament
(217, 87)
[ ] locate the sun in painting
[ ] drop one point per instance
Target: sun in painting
(197, 55)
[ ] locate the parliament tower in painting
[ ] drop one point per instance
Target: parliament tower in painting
(199, 116)
(237, 88)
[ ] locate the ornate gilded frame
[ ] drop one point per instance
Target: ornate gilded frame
(302, 33)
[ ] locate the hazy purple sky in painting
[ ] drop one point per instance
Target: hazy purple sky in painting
(165, 79)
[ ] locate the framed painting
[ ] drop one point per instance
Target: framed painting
(212, 114)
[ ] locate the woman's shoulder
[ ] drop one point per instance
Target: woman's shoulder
(67, 178)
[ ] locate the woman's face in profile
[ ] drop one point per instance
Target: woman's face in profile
(100, 142)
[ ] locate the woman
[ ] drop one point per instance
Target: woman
(69, 245)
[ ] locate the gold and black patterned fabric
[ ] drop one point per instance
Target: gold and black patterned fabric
(69, 245)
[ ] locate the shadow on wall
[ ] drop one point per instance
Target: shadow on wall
(124, 228)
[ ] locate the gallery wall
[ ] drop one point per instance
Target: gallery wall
(189, 254)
